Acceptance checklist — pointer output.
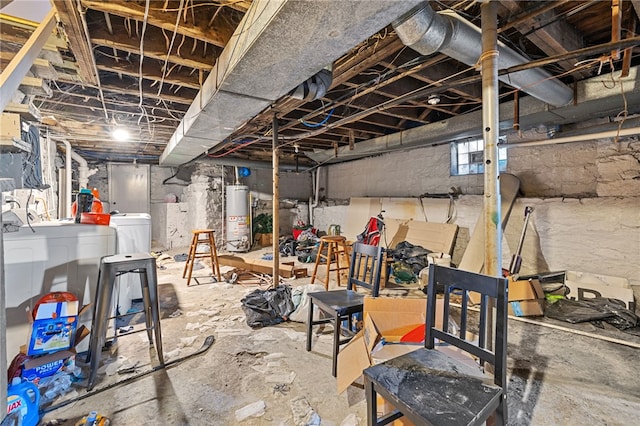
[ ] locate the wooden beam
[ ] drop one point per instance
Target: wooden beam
(72, 25)
(151, 70)
(34, 86)
(41, 68)
(350, 66)
(13, 74)
(167, 20)
(553, 39)
(147, 92)
(240, 5)
(154, 47)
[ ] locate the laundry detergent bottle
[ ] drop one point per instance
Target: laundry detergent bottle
(23, 402)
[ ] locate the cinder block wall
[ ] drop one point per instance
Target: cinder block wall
(586, 197)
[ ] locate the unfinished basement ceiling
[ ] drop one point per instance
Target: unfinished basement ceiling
(379, 86)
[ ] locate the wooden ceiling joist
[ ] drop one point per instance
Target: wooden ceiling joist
(154, 47)
(218, 36)
(151, 70)
(73, 27)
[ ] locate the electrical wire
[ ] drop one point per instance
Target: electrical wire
(320, 124)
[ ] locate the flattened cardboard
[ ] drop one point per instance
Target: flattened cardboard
(437, 237)
(583, 285)
(352, 360)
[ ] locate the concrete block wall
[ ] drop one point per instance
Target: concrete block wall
(585, 195)
(203, 197)
(292, 185)
(595, 235)
(582, 169)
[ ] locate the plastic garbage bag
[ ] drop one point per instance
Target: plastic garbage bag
(612, 311)
(301, 301)
(268, 307)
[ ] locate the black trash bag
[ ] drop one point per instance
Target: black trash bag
(406, 250)
(612, 311)
(288, 247)
(268, 307)
(574, 311)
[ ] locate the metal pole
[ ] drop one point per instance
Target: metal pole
(13, 74)
(3, 328)
(490, 127)
(276, 204)
(490, 130)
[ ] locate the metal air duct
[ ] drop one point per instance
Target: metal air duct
(428, 32)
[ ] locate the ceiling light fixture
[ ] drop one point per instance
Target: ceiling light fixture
(433, 99)
(120, 134)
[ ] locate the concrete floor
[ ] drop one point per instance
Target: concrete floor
(556, 377)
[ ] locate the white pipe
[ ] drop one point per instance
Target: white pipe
(65, 211)
(578, 138)
(83, 170)
(316, 192)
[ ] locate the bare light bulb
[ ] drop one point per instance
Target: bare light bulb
(120, 134)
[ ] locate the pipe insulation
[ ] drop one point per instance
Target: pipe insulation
(427, 31)
(314, 87)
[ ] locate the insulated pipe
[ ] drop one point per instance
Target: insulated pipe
(428, 32)
(65, 211)
(250, 164)
(577, 138)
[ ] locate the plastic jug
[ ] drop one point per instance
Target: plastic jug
(334, 230)
(84, 201)
(23, 402)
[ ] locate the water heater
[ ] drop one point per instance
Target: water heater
(238, 218)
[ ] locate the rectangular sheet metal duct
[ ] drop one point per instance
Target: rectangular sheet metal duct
(278, 45)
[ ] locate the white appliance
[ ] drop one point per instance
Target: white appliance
(133, 235)
(54, 256)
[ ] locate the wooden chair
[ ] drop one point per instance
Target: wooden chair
(340, 306)
(430, 388)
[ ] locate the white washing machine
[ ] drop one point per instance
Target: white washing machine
(133, 235)
(51, 256)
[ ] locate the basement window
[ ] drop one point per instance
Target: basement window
(467, 158)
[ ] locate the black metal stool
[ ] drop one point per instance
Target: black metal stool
(110, 268)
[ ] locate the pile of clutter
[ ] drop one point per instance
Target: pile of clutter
(45, 368)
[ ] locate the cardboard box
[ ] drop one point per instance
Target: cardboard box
(526, 298)
(384, 317)
(583, 285)
(53, 328)
(266, 240)
(36, 369)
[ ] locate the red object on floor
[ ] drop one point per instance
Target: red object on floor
(414, 336)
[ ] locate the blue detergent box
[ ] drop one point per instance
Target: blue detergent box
(53, 328)
(39, 368)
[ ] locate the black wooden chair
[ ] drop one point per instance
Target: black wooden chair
(342, 306)
(430, 388)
